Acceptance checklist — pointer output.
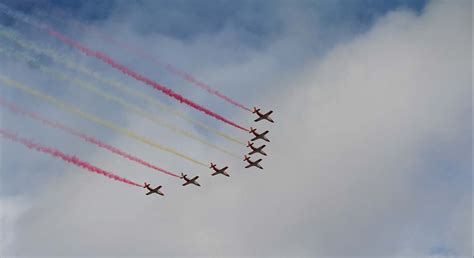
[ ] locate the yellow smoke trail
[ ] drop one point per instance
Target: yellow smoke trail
(111, 82)
(90, 87)
(68, 108)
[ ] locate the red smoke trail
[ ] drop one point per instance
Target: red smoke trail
(202, 85)
(83, 136)
(137, 51)
(138, 76)
(68, 158)
(186, 76)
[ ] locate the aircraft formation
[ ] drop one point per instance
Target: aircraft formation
(19, 49)
(254, 151)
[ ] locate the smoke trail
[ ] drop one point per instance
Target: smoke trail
(105, 58)
(138, 52)
(134, 109)
(12, 107)
(68, 158)
(200, 84)
(65, 107)
(170, 68)
(110, 82)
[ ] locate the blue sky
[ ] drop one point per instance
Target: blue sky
(186, 19)
(370, 152)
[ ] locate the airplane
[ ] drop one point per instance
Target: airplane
(219, 171)
(151, 190)
(262, 116)
(189, 181)
(256, 150)
(258, 136)
(252, 163)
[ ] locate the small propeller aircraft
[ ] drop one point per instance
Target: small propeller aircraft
(253, 163)
(219, 171)
(262, 116)
(151, 190)
(189, 181)
(256, 149)
(258, 136)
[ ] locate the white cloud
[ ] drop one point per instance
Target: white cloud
(10, 209)
(348, 167)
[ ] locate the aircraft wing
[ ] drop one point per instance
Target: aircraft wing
(249, 165)
(258, 119)
(187, 183)
(148, 193)
(215, 173)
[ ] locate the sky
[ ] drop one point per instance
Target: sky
(370, 152)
